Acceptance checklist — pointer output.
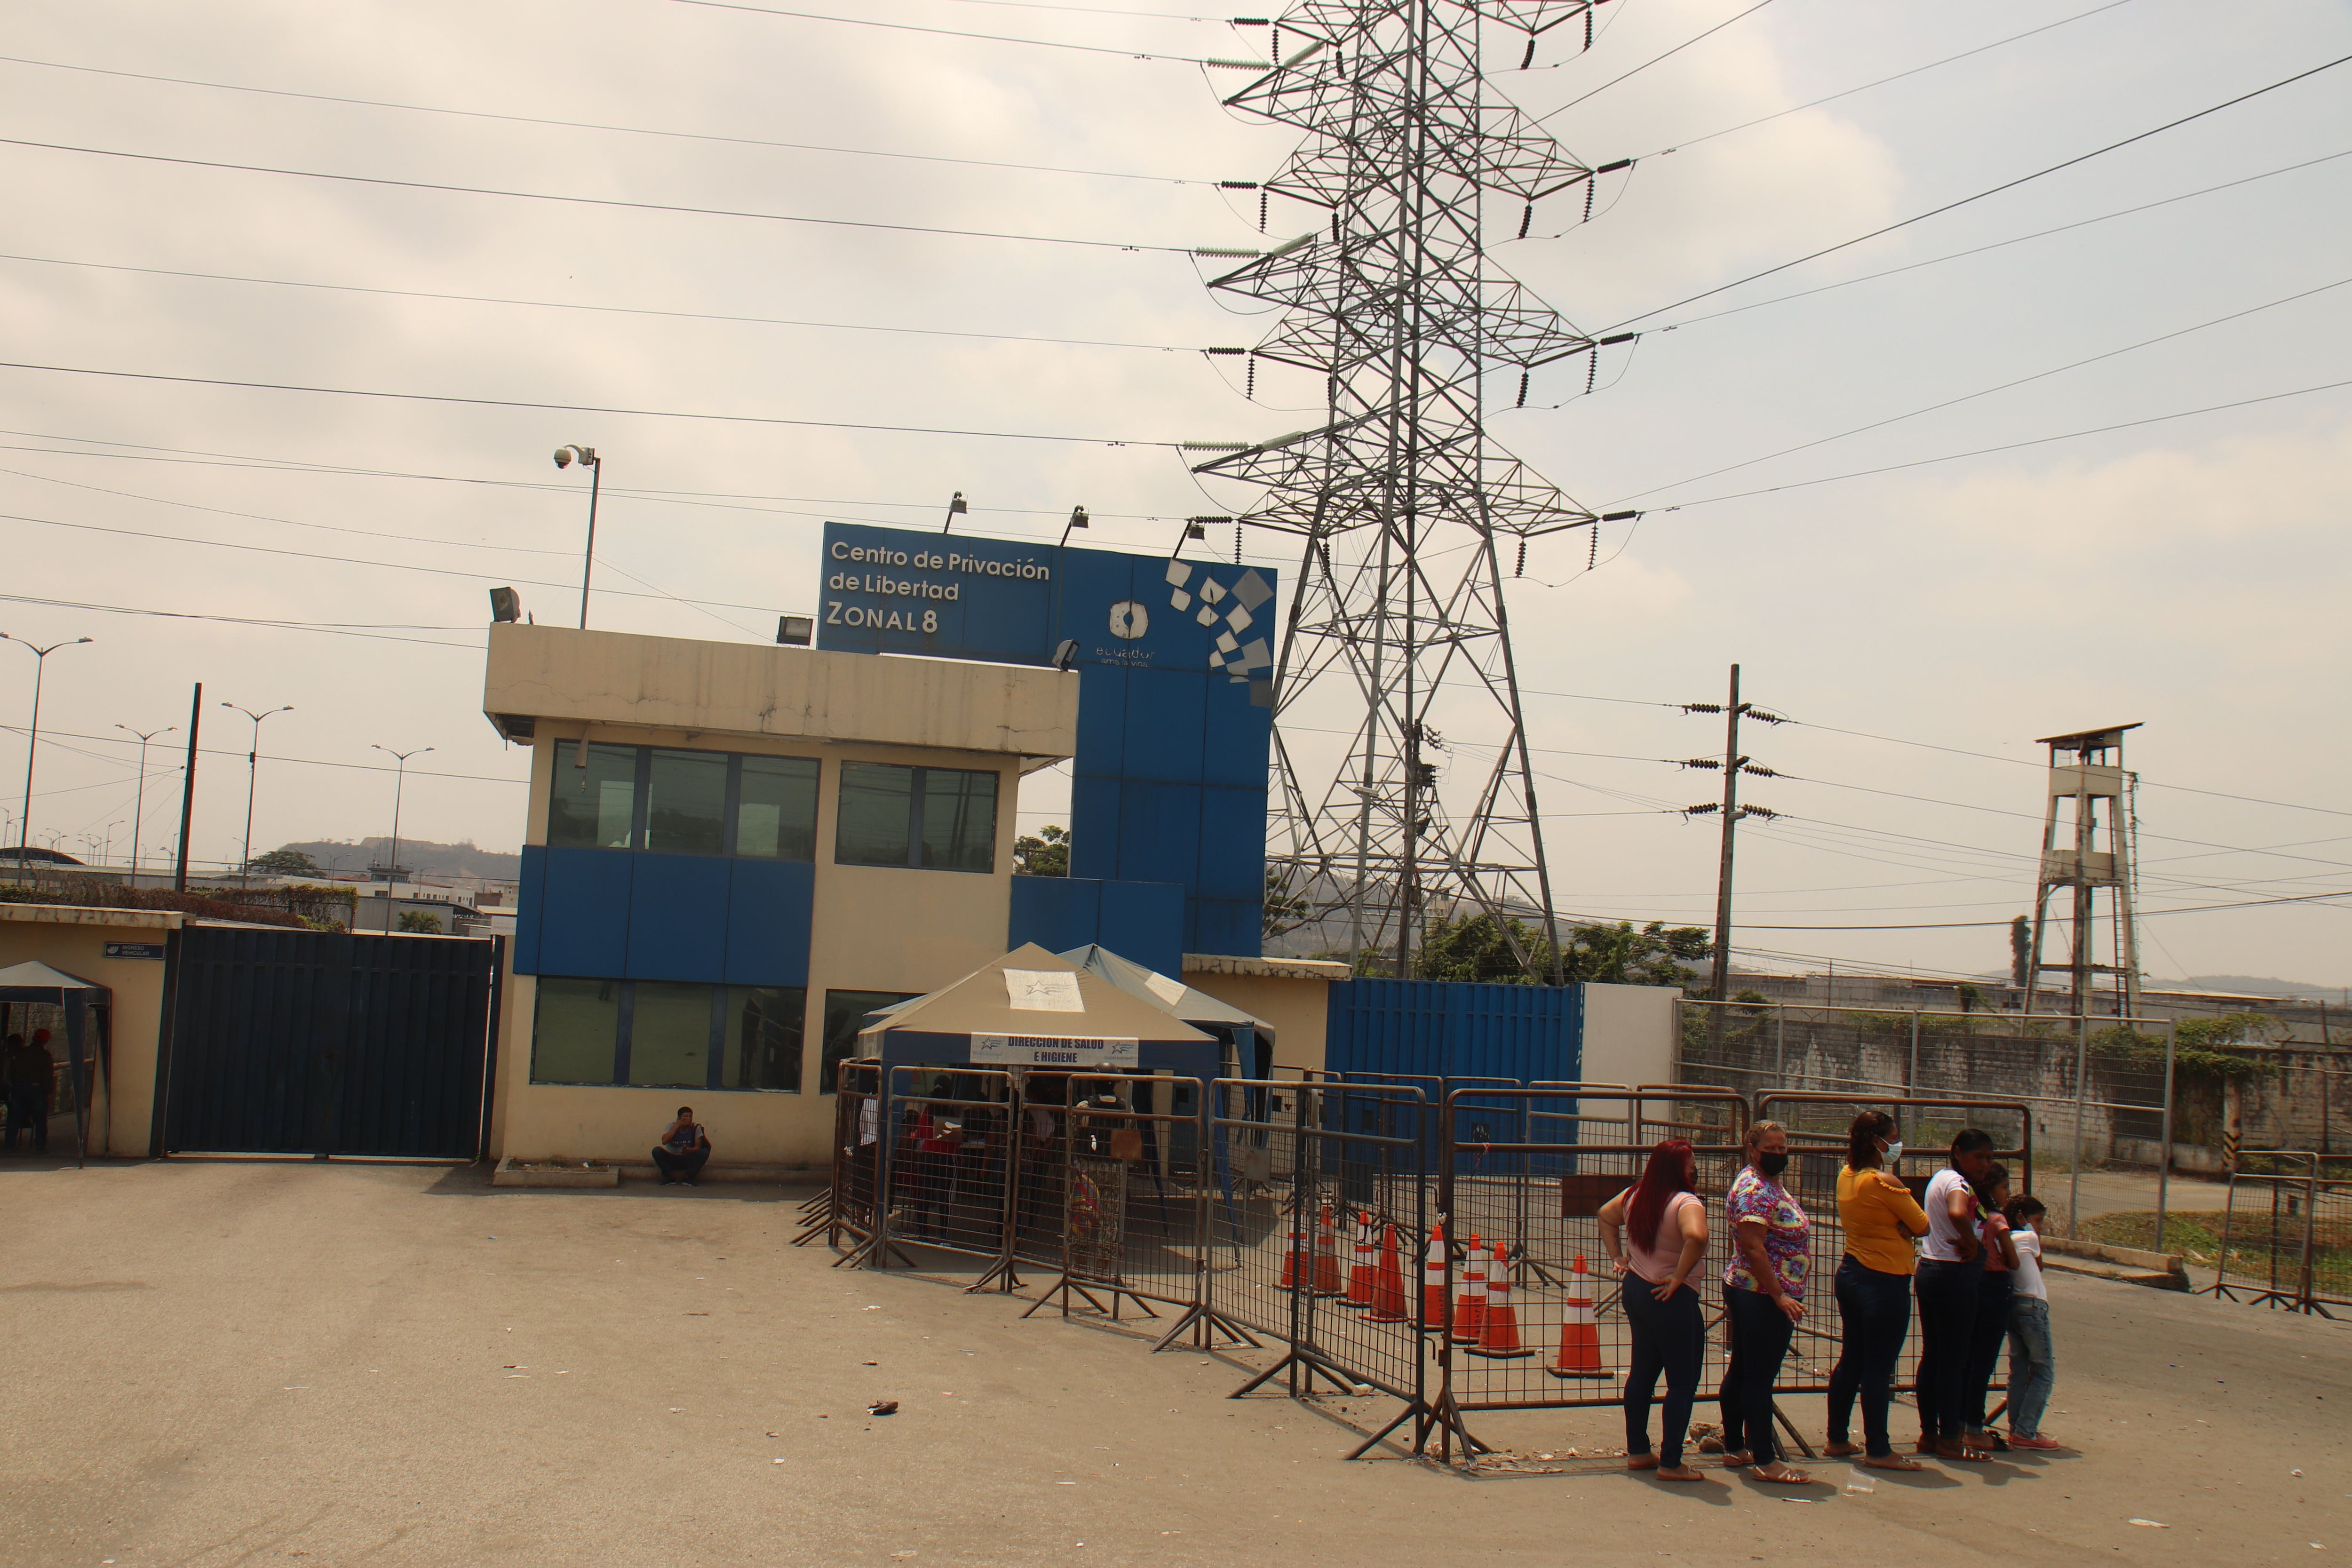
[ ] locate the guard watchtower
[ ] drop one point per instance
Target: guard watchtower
(2089, 851)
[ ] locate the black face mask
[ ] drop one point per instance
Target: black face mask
(1771, 1164)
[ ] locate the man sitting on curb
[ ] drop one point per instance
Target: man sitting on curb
(685, 1149)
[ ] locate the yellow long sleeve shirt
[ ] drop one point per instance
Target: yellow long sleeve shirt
(1880, 1219)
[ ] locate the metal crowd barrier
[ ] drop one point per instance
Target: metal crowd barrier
(2298, 1241)
(1121, 1159)
(850, 1215)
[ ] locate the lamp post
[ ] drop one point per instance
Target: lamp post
(33, 735)
(399, 781)
(139, 810)
(252, 769)
(564, 457)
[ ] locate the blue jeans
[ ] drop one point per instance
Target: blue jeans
(1948, 1317)
(1876, 1310)
(1668, 1337)
(2032, 1369)
(1760, 1341)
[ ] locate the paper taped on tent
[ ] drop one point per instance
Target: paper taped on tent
(1042, 991)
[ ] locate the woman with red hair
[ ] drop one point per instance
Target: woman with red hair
(1656, 1235)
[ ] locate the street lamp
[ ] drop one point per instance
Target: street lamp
(399, 781)
(139, 811)
(564, 457)
(33, 737)
(252, 768)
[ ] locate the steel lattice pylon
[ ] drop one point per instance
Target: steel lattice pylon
(1403, 503)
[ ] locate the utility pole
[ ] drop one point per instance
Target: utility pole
(188, 787)
(139, 810)
(1733, 763)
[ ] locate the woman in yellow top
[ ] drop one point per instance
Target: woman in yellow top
(1874, 1286)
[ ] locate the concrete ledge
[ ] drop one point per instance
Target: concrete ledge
(2132, 1264)
(801, 1175)
(550, 1174)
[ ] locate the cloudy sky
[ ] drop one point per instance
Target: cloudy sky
(1925, 621)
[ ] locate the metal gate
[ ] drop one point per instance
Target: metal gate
(323, 1043)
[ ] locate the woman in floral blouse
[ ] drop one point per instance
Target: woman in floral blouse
(1764, 1292)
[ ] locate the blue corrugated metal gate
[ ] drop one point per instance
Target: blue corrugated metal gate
(297, 1042)
(1447, 1029)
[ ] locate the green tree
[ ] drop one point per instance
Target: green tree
(2020, 952)
(1044, 853)
(1284, 910)
(284, 863)
(419, 921)
(1477, 948)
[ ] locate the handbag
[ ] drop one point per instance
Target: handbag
(1126, 1143)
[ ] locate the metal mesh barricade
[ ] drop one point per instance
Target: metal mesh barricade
(849, 1217)
(1818, 1125)
(949, 1171)
(1533, 1317)
(1257, 1246)
(2285, 1235)
(1113, 1164)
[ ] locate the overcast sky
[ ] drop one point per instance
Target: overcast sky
(2188, 574)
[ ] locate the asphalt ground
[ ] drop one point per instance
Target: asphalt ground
(218, 1363)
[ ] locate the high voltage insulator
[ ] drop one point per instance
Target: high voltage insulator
(1702, 761)
(1755, 770)
(1758, 810)
(1406, 146)
(1702, 707)
(1764, 716)
(1704, 808)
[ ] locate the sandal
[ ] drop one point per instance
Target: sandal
(1788, 1477)
(1738, 1459)
(1890, 1462)
(1952, 1450)
(1640, 1461)
(1679, 1473)
(1840, 1450)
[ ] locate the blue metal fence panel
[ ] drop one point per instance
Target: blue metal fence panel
(1447, 1029)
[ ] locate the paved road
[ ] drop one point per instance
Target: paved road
(237, 1364)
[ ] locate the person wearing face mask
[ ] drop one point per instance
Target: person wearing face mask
(1951, 1269)
(1764, 1295)
(1873, 1287)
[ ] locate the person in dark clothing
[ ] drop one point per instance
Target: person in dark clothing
(683, 1149)
(1764, 1295)
(31, 1075)
(1994, 1291)
(1881, 1220)
(1951, 1269)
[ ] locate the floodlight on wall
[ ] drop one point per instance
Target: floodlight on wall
(1077, 519)
(795, 631)
(1065, 653)
(506, 604)
(954, 506)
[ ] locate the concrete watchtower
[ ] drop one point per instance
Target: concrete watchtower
(2086, 854)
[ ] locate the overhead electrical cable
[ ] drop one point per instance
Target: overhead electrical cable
(322, 627)
(596, 125)
(611, 202)
(1646, 65)
(606, 309)
(957, 33)
(578, 407)
(1989, 191)
(422, 772)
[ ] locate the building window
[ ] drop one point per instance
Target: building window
(595, 802)
(843, 1012)
(696, 803)
(658, 1034)
(775, 817)
(686, 802)
(941, 819)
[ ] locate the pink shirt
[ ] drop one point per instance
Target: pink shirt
(1656, 1264)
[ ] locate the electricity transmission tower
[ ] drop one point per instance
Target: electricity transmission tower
(1405, 508)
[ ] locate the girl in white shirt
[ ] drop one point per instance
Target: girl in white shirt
(2032, 1369)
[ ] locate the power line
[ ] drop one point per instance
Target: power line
(305, 762)
(612, 202)
(326, 628)
(578, 407)
(1882, 81)
(2004, 386)
(1992, 190)
(596, 125)
(1646, 65)
(2144, 914)
(958, 33)
(608, 309)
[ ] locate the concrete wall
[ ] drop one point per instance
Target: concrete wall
(1292, 995)
(123, 1103)
(1629, 1034)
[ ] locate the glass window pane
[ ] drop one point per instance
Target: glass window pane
(573, 1030)
(843, 1012)
(777, 817)
(669, 1035)
(878, 801)
(686, 802)
(762, 1037)
(959, 820)
(593, 806)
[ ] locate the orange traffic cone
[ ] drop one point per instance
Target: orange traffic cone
(1432, 1281)
(1470, 1306)
(1290, 1254)
(1359, 1273)
(1327, 1255)
(1499, 1339)
(1579, 1340)
(1388, 1283)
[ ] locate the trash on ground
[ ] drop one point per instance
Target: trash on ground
(883, 1407)
(1858, 1479)
(2151, 1523)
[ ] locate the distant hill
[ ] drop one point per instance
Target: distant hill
(2256, 985)
(416, 854)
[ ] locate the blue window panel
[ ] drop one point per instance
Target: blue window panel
(1058, 914)
(1158, 832)
(1144, 922)
(530, 897)
(583, 918)
(1232, 844)
(1166, 724)
(1095, 845)
(678, 918)
(770, 905)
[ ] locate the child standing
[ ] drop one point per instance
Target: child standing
(2030, 1368)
